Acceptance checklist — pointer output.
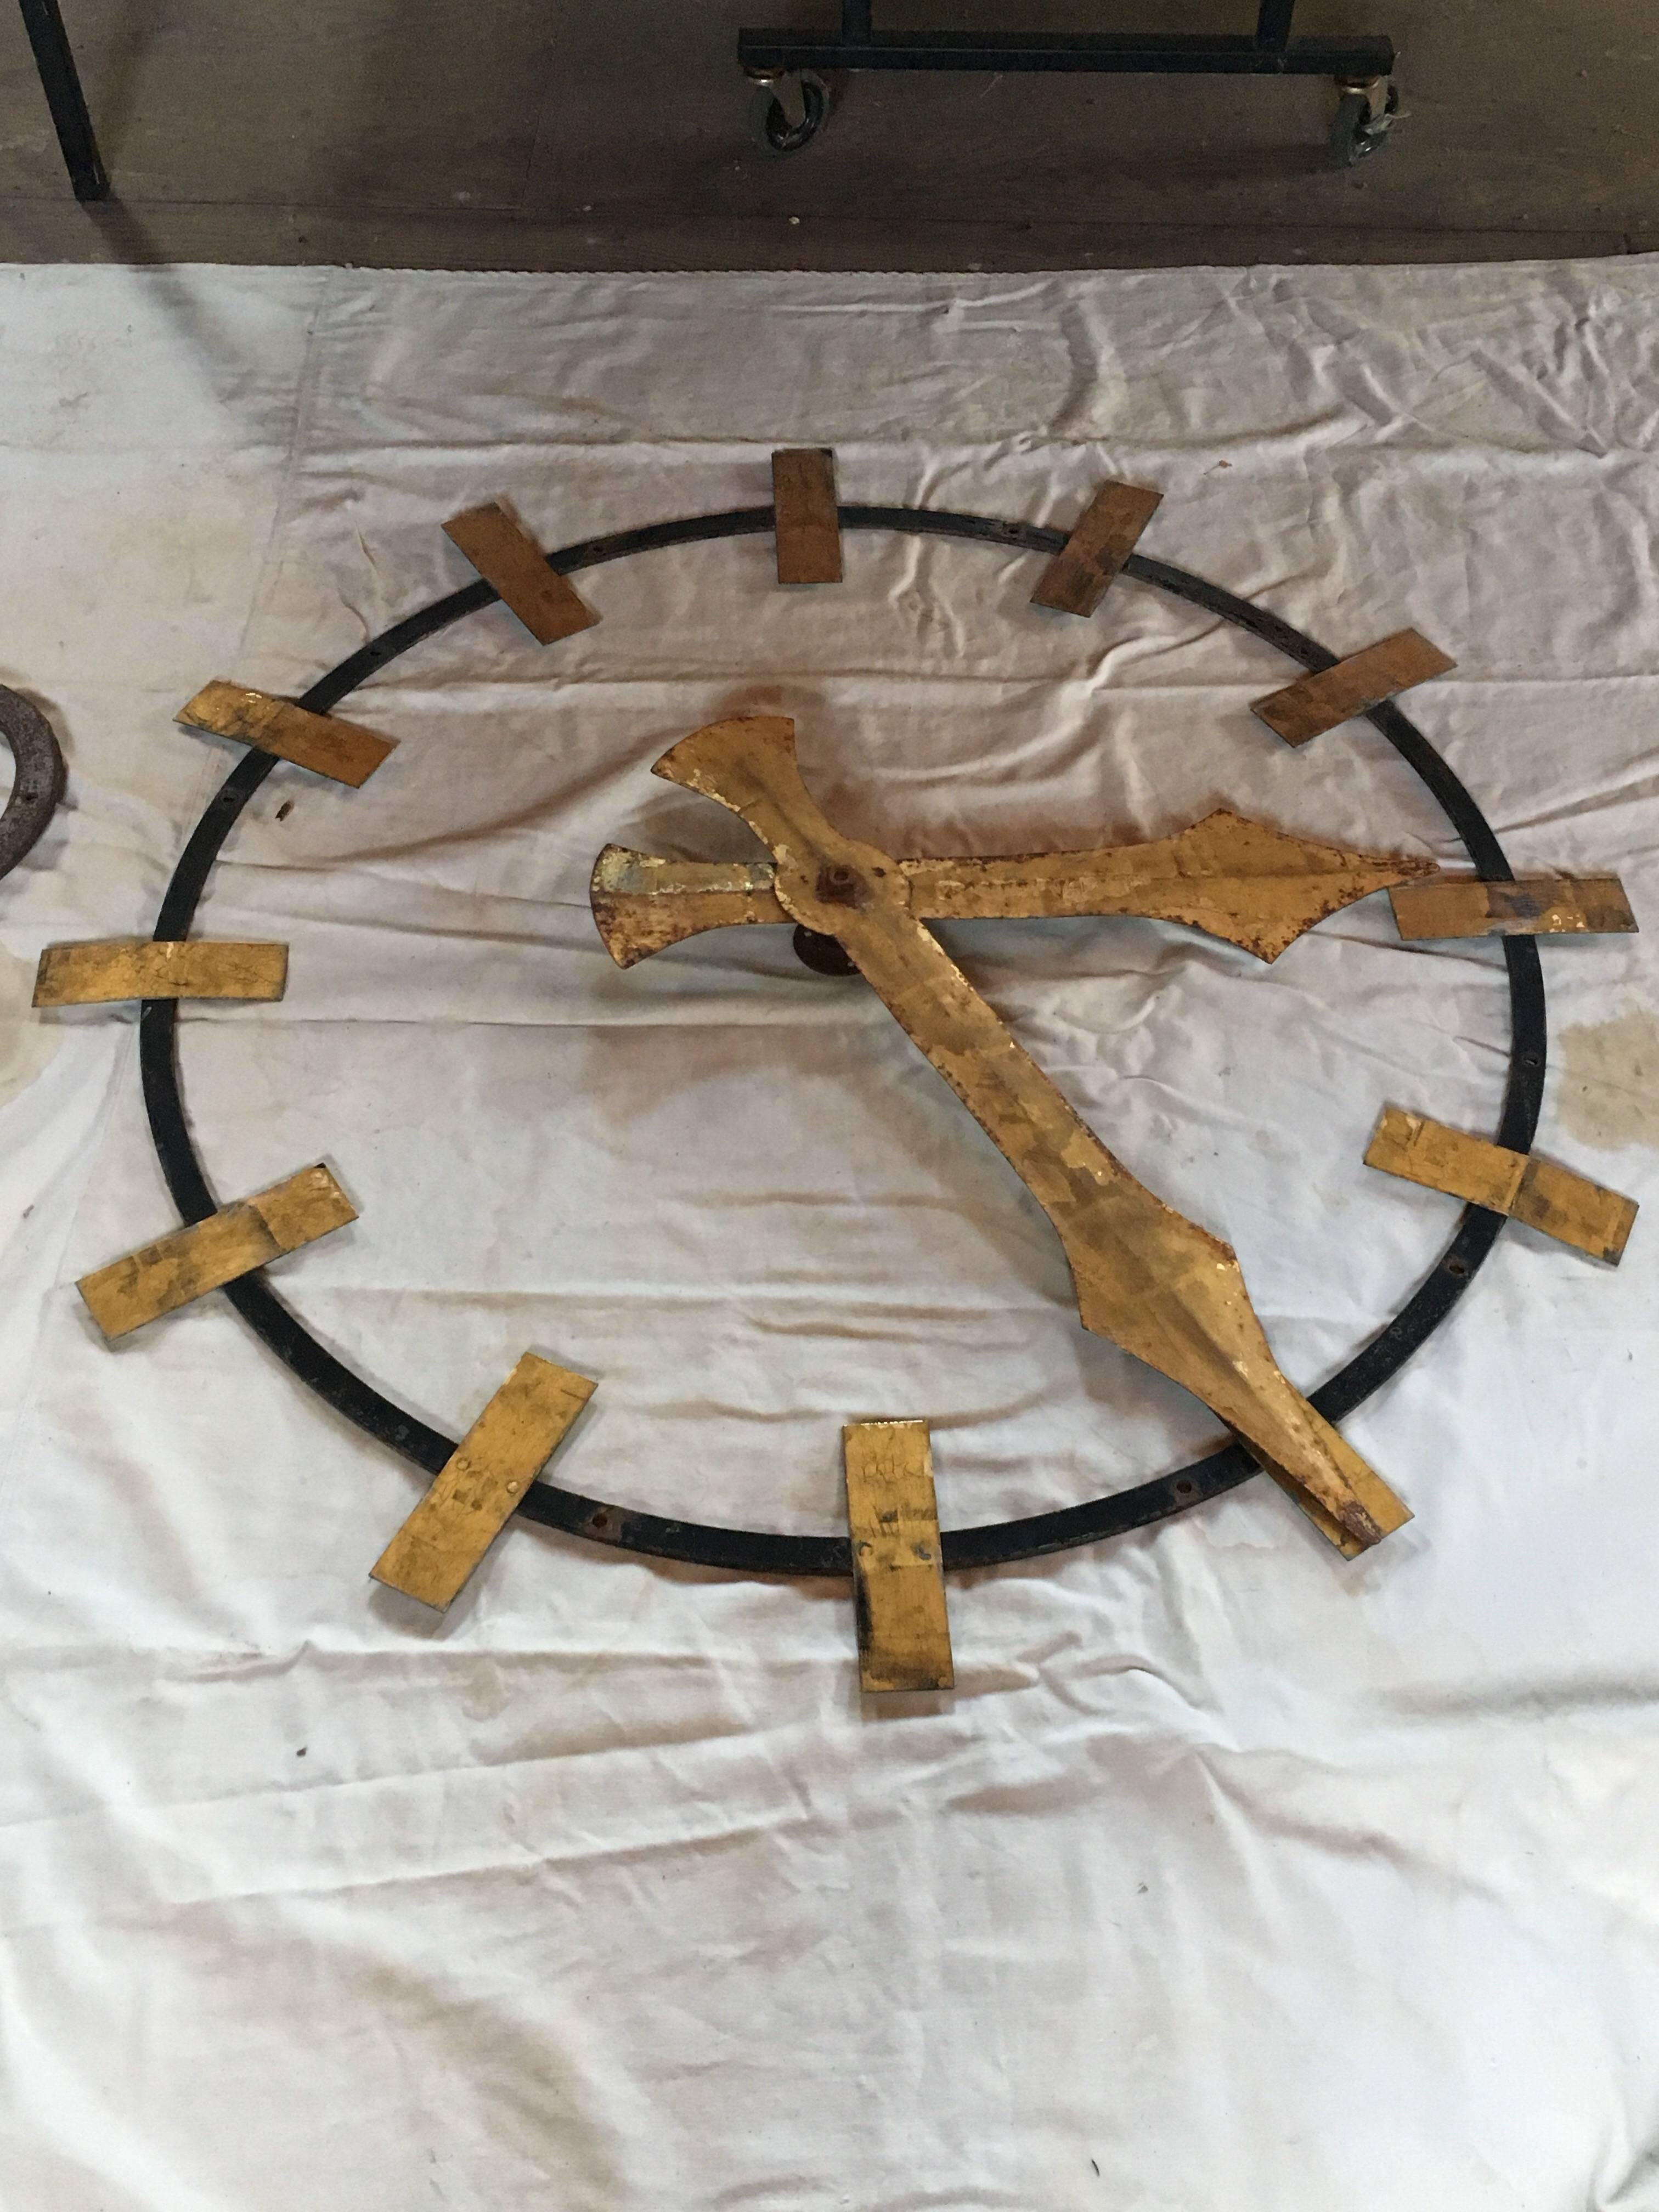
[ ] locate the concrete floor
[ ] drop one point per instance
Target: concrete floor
(563, 134)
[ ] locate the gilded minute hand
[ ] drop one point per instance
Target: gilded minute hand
(1146, 1278)
(1257, 887)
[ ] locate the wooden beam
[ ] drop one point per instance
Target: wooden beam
(898, 1581)
(343, 751)
(460, 1516)
(1536, 1192)
(1077, 578)
(808, 525)
(1532, 905)
(98, 971)
(158, 1278)
(1150, 1281)
(509, 559)
(1244, 882)
(1314, 704)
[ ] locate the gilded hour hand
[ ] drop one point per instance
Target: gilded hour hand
(1146, 1278)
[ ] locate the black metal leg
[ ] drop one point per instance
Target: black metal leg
(61, 83)
(1272, 23)
(855, 19)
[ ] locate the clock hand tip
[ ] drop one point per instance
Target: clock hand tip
(696, 758)
(1352, 1516)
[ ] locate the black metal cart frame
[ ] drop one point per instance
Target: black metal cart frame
(1357, 64)
(60, 80)
(1272, 52)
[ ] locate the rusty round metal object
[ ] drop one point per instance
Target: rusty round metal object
(37, 784)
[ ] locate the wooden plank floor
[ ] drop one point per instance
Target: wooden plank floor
(555, 134)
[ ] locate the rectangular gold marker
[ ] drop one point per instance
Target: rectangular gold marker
(158, 1278)
(898, 1576)
(460, 1516)
(1077, 578)
(100, 971)
(1532, 905)
(343, 751)
(1536, 1192)
(807, 523)
(1314, 704)
(508, 558)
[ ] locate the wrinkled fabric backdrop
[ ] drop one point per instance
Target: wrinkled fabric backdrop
(1231, 1878)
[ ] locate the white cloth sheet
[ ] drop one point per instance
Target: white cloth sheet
(1232, 1876)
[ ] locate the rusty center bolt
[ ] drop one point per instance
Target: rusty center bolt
(839, 883)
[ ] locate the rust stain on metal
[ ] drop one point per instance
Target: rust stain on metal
(1254, 886)
(1147, 1279)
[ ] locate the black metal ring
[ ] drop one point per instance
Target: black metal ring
(38, 782)
(762, 1552)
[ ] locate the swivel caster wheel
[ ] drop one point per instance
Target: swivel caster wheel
(1365, 116)
(788, 112)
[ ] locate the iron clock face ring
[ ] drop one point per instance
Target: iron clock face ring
(761, 1552)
